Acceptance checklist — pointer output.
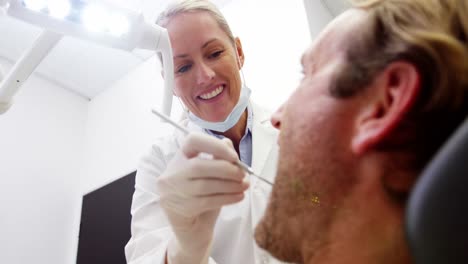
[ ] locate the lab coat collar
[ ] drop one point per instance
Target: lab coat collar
(263, 138)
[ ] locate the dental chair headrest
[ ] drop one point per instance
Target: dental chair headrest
(437, 210)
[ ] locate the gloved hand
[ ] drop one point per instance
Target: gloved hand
(193, 189)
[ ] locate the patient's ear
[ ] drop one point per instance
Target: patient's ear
(391, 96)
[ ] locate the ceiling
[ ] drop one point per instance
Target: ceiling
(83, 67)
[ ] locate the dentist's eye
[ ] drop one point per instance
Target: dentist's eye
(183, 68)
(216, 54)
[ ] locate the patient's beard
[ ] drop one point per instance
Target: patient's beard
(295, 225)
(273, 232)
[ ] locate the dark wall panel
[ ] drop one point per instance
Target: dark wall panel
(105, 223)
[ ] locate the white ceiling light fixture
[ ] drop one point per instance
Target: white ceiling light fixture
(118, 25)
(120, 28)
(89, 20)
(36, 5)
(97, 18)
(92, 17)
(59, 8)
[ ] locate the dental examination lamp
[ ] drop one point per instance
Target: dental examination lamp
(95, 21)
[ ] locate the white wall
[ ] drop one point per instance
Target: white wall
(319, 15)
(41, 139)
(274, 34)
(121, 126)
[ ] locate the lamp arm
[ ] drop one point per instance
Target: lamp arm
(155, 37)
(23, 68)
(164, 47)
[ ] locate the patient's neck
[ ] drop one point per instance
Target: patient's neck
(368, 228)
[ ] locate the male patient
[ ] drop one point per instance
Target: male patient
(384, 86)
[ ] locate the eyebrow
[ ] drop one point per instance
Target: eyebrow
(179, 56)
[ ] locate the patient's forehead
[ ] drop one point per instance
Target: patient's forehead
(337, 35)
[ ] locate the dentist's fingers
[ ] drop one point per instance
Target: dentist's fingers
(216, 169)
(217, 201)
(206, 177)
(196, 143)
(198, 205)
(210, 187)
(196, 172)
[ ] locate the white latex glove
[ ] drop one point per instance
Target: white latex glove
(193, 189)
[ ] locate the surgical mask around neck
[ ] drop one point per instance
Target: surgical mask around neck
(231, 119)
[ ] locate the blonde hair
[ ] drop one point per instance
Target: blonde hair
(430, 34)
(191, 6)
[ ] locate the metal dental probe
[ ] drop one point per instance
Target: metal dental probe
(186, 132)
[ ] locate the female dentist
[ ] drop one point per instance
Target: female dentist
(188, 209)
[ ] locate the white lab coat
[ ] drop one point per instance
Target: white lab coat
(233, 236)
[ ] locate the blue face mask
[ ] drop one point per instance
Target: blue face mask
(231, 119)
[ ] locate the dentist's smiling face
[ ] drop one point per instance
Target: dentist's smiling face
(206, 68)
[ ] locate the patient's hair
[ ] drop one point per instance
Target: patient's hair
(430, 34)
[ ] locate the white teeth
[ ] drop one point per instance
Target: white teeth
(212, 94)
